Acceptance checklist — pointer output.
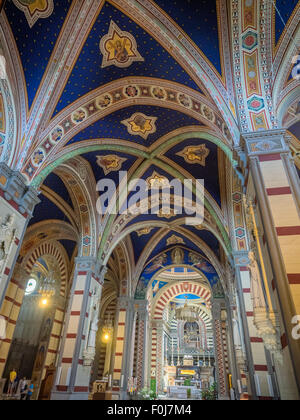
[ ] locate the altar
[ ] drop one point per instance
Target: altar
(182, 392)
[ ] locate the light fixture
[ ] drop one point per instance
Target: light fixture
(44, 302)
(47, 287)
(107, 331)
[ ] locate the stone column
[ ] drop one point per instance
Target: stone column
(80, 329)
(142, 343)
(277, 194)
(219, 350)
(240, 355)
(152, 366)
(159, 355)
(236, 376)
(128, 357)
(262, 334)
(55, 338)
(243, 292)
(17, 202)
(123, 346)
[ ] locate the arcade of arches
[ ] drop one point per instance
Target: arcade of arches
(106, 304)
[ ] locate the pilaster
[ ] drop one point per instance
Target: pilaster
(81, 324)
(142, 342)
(123, 346)
(219, 350)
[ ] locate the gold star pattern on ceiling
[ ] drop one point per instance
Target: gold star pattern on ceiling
(119, 48)
(140, 125)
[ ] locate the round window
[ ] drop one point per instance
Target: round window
(31, 286)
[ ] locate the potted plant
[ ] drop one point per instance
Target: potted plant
(187, 382)
(189, 393)
(147, 394)
(211, 394)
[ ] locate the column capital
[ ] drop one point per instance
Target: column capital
(86, 264)
(100, 272)
(141, 307)
(125, 302)
(216, 310)
(13, 188)
(265, 142)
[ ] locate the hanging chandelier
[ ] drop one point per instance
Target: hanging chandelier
(187, 313)
(47, 287)
(107, 330)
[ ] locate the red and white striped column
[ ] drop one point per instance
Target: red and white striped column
(277, 190)
(55, 337)
(117, 380)
(74, 368)
(123, 346)
(261, 370)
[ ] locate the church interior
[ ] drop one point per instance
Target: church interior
(105, 303)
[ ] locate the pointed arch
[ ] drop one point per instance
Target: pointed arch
(82, 186)
(54, 249)
(168, 293)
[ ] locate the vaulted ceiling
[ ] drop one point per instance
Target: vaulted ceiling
(146, 78)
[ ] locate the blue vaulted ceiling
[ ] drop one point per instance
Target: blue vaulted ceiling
(139, 243)
(284, 11)
(88, 75)
(199, 19)
(45, 210)
(69, 247)
(207, 237)
(295, 129)
(55, 183)
(162, 245)
(112, 128)
(91, 157)
(36, 44)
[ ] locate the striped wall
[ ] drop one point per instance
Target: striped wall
(10, 312)
(72, 376)
(119, 348)
(282, 368)
(55, 339)
(110, 314)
